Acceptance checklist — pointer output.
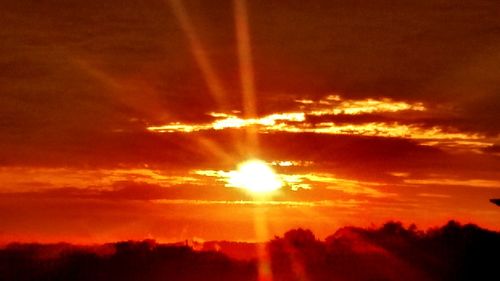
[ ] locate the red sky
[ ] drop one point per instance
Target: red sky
(122, 119)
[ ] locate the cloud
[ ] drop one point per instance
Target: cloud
(454, 182)
(125, 67)
(317, 181)
(335, 115)
(493, 149)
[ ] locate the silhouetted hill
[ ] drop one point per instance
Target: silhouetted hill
(391, 252)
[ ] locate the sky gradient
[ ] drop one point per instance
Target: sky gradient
(122, 119)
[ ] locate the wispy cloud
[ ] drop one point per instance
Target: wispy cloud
(456, 182)
(321, 203)
(304, 120)
(309, 181)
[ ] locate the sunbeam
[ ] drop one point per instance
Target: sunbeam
(201, 57)
(246, 70)
(134, 93)
(262, 233)
(245, 58)
(249, 111)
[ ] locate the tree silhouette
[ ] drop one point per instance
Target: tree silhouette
(391, 252)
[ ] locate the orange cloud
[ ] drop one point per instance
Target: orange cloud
(306, 182)
(334, 104)
(456, 182)
(301, 121)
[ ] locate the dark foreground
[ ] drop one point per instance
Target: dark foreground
(392, 252)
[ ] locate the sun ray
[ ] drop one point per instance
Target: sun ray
(245, 58)
(133, 92)
(215, 149)
(246, 70)
(201, 57)
(261, 181)
(262, 234)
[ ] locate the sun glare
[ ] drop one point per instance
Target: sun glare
(255, 176)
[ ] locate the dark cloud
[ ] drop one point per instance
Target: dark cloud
(446, 123)
(223, 149)
(182, 149)
(73, 70)
(494, 149)
(133, 190)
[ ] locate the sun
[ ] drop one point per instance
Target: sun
(255, 176)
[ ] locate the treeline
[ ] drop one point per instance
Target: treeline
(391, 252)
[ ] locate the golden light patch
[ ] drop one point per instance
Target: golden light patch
(255, 176)
(302, 121)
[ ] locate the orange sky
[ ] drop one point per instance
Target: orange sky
(122, 120)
